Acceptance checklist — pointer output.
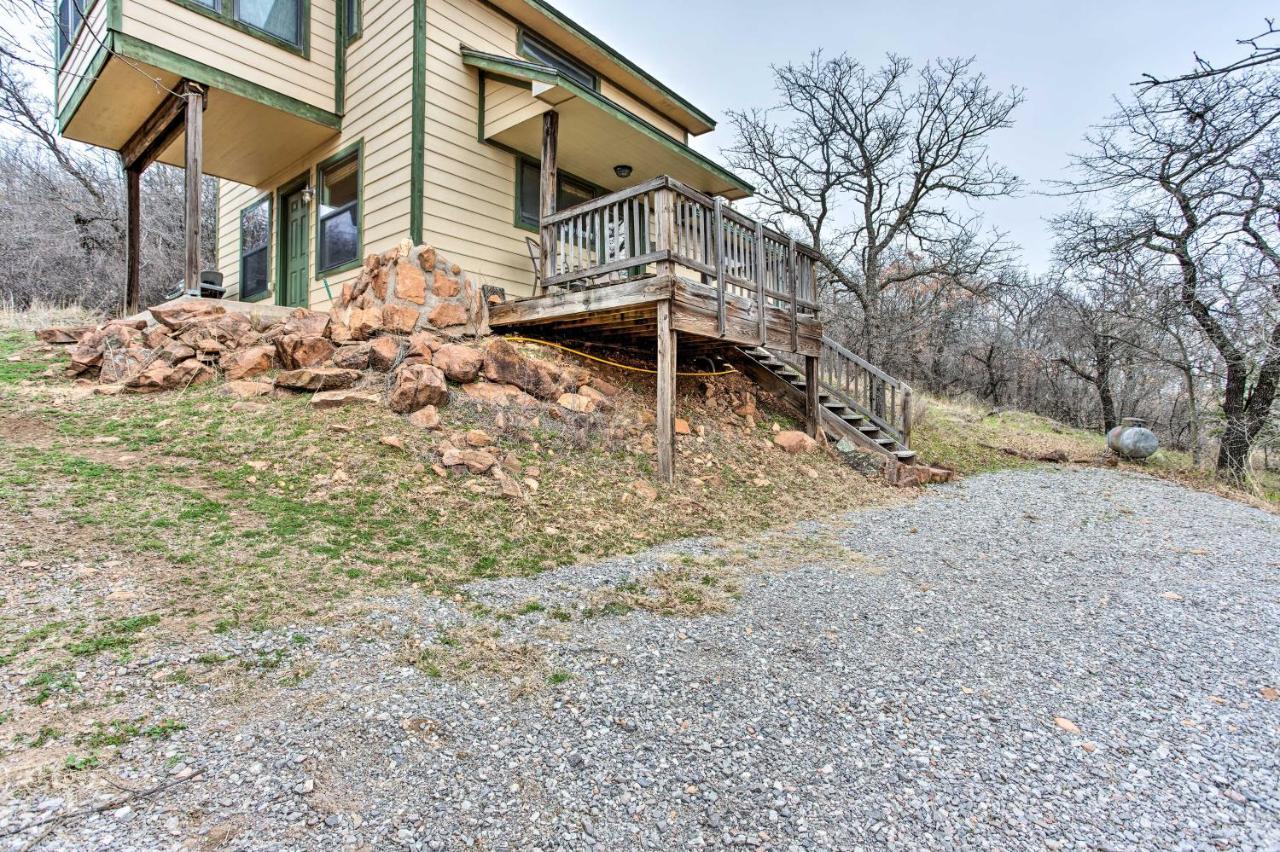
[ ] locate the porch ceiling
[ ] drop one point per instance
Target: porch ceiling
(595, 134)
(244, 140)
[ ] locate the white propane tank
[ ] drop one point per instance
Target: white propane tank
(1132, 439)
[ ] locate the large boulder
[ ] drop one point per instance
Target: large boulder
(343, 399)
(179, 314)
(499, 395)
(317, 379)
(118, 365)
(384, 352)
(64, 335)
(417, 386)
(476, 461)
(159, 376)
(247, 363)
(461, 364)
(353, 356)
(307, 323)
(298, 351)
(504, 365)
(399, 319)
(795, 442)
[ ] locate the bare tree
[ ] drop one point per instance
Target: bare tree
(1264, 48)
(871, 167)
(1188, 170)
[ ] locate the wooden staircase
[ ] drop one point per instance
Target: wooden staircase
(862, 407)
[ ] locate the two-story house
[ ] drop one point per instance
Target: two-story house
(340, 127)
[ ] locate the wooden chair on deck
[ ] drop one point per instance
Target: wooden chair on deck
(535, 256)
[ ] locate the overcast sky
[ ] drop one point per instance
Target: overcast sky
(1070, 57)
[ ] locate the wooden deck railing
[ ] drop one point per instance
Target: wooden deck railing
(864, 387)
(664, 223)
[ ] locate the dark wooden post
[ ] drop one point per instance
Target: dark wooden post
(666, 408)
(547, 184)
(194, 129)
(133, 242)
(812, 410)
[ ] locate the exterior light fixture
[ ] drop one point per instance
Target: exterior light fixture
(622, 170)
(308, 195)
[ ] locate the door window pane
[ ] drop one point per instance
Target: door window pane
(280, 18)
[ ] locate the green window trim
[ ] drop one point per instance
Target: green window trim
(528, 223)
(543, 52)
(263, 247)
(218, 13)
(357, 149)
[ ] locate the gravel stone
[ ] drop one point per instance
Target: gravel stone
(893, 682)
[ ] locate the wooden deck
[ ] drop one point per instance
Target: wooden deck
(661, 268)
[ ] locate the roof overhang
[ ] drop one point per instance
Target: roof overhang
(595, 133)
(551, 24)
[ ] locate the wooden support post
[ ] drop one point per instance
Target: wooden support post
(194, 128)
(133, 242)
(548, 180)
(812, 410)
(793, 276)
(907, 415)
(666, 407)
(762, 259)
(718, 219)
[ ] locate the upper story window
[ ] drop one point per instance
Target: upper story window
(70, 16)
(279, 22)
(546, 54)
(352, 22)
(280, 18)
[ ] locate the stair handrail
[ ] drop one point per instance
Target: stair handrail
(893, 415)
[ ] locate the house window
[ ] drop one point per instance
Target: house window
(255, 249)
(279, 18)
(569, 192)
(70, 16)
(338, 221)
(352, 22)
(543, 53)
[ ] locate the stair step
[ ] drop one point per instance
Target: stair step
(904, 455)
(885, 441)
(868, 428)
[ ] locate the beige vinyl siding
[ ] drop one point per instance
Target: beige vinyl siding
(92, 37)
(470, 186)
(195, 36)
(379, 111)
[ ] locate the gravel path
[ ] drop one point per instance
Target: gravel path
(887, 680)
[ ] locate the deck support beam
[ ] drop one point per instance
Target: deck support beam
(812, 410)
(194, 94)
(666, 402)
(548, 179)
(133, 242)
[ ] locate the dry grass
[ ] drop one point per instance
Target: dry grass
(691, 586)
(970, 438)
(477, 652)
(44, 315)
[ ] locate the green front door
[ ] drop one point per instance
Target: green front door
(294, 235)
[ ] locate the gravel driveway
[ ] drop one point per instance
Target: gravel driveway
(888, 680)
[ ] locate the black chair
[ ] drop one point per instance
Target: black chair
(210, 287)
